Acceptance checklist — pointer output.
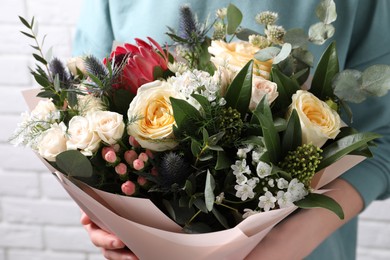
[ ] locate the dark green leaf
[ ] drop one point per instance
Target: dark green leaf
(238, 94)
(188, 187)
(40, 59)
(72, 98)
(157, 72)
(314, 200)
(344, 146)
(24, 21)
(244, 33)
(202, 100)
(74, 164)
(46, 94)
(223, 161)
(28, 35)
(200, 204)
(221, 218)
(292, 137)
(327, 69)
(185, 114)
(234, 18)
(286, 88)
(121, 99)
(209, 196)
(41, 80)
(196, 147)
(214, 139)
(206, 157)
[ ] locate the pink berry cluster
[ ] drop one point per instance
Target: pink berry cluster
(127, 163)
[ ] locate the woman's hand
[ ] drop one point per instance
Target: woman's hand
(112, 248)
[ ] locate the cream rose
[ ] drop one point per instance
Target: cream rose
(108, 125)
(236, 55)
(76, 63)
(82, 136)
(53, 142)
(260, 88)
(318, 121)
(151, 116)
(45, 111)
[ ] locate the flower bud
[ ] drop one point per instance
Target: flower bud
(154, 171)
(138, 164)
(142, 181)
(128, 188)
(109, 154)
(143, 156)
(121, 169)
(133, 142)
(130, 156)
(149, 153)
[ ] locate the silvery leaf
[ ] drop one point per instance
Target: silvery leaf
(320, 32)
(296, 37)
(326, 11)
(304, 56)
(376, 80)
(347, 86)
(283, 54)
(267, 53)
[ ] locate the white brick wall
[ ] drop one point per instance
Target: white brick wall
(38, 221)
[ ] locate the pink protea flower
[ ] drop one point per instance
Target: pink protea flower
(142, 60)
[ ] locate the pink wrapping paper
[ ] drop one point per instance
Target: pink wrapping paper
(150, 234)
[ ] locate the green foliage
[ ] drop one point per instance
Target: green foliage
(74, 164)
(292, 137)
(314, 200)
(234, 17)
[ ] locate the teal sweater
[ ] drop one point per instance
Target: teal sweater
(362, 36)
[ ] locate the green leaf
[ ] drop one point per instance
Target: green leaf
(223, 161)
(72, 98)
(347, 86)
(327, 69)
(267, 53)
(320, 32)
(296, 37)
(41, 80)
(326, 11)
(74, 164)
(244, 33)
(283, 54)
(344, 146)
(286, 88)
(220, 217)
(24, 21)
(214, 139)
(56, 83)
(188, 188)
(314, 200)
(271, 137)
(209, 196)
(196, 147)
(200, 204)
(40, 59)
(157, 72)
(376, 80)
(234, 18)
(238, 94)
(185, 114)
(28, 35)
(122, 99)
(292, 137)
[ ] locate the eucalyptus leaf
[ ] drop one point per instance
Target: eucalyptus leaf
(196, 147)
(320, 32)
(35, 29)
(267, 53)
(28, 35)
(74, 163)
(304, 56)
(201, 205)
(347, 86)
(283, 54)
(209, 196)
(214, 139)
(188, 187)
(296, 37)
(326, 11)
(314, 200)
(49, 54)
(376, 80)
(234, 18)
(57, 85)
(244, 33)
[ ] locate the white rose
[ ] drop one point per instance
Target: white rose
(260, 88)
(153, 114)
(318, 121)
(108, 125)
(89, 103)
(76, 63)
(53, 142)
(45, 111)
(82, 136)
(236, 55)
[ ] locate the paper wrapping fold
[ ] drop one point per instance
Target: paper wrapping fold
(152, 235)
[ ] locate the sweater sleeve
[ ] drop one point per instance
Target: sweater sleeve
(94, 33)
(370, 44)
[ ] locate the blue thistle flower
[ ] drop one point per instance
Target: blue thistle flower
(190, 29)
(173, 169)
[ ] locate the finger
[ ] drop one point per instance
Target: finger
(101, 238)
(121, 254)
(85, 220)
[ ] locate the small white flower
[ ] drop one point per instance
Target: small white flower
(253, 182)
(284, 199)
(282, 183)
(220, 198)
(263, 169)
(249, 212)
(267, 201)
(240, 167)
(241, 179)
(297, 190)
(222, 102)
(271, 183)
(244, 192)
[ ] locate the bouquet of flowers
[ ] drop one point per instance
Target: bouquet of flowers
(208, 135)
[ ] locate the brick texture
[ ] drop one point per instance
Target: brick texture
(38, 221)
